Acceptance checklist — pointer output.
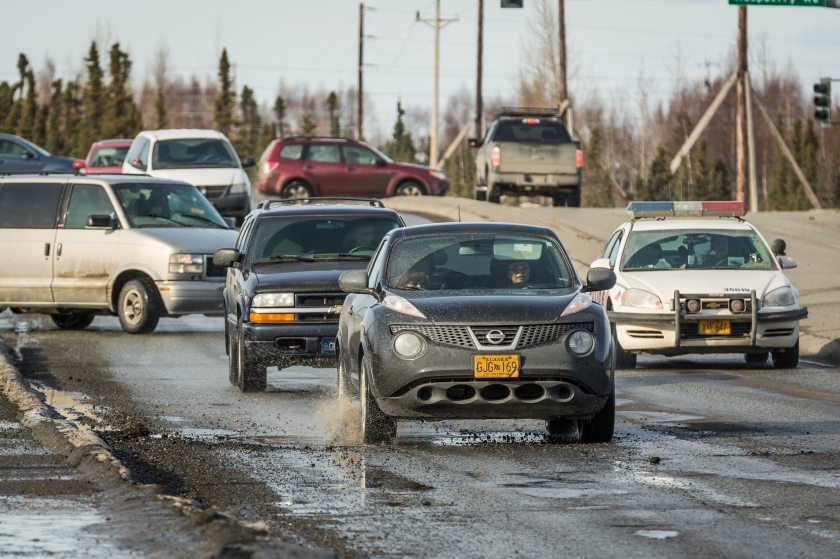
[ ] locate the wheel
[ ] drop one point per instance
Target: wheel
(756, 358)
(72, 320)
(573, 200)
(786, 358)
(600, 428)
(623, 359)
(480, 195)
(296, 189)
(376, 426)
(493, 195)
(410, 188)
(139, 307)
(250, 376)
(231, 347)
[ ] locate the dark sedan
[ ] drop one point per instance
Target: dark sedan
(476, 321)
(18, 155)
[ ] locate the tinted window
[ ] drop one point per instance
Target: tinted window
(193, 152)
(532, 130)
(291, 151)
(29, 205)
(324, 153)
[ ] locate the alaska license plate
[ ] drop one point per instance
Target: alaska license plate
(328, 346)
(714, 328)
(496, 366)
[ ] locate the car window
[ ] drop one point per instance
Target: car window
(86, 200)
(478, 262)
(695, 249)
(192, 153)
(358, 156)
(11, 148)
(532, 130)
(291, 151)
(109, 156)
(29, 205)
(167, 205)
(611, 249)
(324, 153)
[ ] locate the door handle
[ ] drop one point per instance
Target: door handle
(46, 249)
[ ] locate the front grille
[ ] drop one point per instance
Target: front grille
(530, 335)
(212, 192)
(319, 299)
(213, 271)
(320, 304)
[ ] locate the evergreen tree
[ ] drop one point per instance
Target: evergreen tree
(27, 115)
(332, 105)
(161, 115)
(658, 184)
(54, 129)
(122, 117)
(401, 146)
(92, 103)
(306, 126)
(249, 127)
(223, 116)
(280, 116)
(596, 187)
(7, 103)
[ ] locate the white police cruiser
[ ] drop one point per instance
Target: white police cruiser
(695, 277)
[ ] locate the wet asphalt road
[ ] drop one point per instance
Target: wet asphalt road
(711, 458)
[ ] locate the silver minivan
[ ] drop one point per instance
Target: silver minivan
(136, 247)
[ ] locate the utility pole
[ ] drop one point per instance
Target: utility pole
(741, 156)
(479, 103)
(359, 95)
(561, 12)
(436, 23)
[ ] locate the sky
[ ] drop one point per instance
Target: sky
(616, 49)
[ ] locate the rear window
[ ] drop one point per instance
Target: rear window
(291, 151)
(29, 205)
(532, 130)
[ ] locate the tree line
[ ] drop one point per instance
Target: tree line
(627, 156)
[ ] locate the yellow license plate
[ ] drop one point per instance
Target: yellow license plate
(496, 366)
(714, 328)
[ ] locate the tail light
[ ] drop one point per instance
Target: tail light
(496, 156)
(579, 158)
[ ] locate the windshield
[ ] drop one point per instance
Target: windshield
(281, 239)
(489, 262)
(167, 205)
(703, 249)
(192, 153)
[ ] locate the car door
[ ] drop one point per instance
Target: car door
(17, 158)
(28, 213)
(85, 257)
(366, 173)
(325, 170)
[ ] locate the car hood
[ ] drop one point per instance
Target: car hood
(412, 167)
(302, 276)
(501, 309)
(696, 282)
(199, 176)
(190, 239)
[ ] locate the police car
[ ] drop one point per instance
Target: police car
(696, 277)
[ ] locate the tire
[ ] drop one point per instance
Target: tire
(72, 320)
(410, 188)
(480, 195)
(376, 426)
(493, 195)
(573, 200)
(250, 376)
(231, 347)
(138, 306)
(600, 428)
(787, 358)
(623, 359)
(296, 189)
(756, 358)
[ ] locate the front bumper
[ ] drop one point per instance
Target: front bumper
(284, 345)
(678, 332)
(192, 297)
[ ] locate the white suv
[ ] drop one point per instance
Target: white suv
(201, 157)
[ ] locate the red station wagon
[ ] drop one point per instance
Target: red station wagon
(303, 167)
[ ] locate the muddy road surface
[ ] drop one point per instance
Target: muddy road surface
(710, 458)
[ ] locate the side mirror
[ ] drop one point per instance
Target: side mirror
(380, 162)
(137, 163)
(787, 263)
(101, 221)
(248, 162)
(599, 279)
(354, 281)
(226, 257)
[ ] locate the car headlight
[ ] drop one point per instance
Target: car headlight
(438, 174)
(409, 345)
(240, 187)
(781, 297)
(186, 264)
(580, 302)
(401, 305)
(580, 342)
(273, 300)
(641, 299)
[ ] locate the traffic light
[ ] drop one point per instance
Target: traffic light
(822, 101)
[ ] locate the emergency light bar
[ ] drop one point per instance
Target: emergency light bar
(714, 208)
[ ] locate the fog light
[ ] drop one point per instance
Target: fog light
(692, 305)
(409, 345)
(737, 305)
(580, 342)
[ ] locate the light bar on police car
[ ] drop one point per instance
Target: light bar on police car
(712, 208)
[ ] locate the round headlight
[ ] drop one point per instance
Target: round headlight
(409, 345)
(580, 342)
(692, 305)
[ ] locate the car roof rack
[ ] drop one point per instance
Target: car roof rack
(529, 111)
(321, 200)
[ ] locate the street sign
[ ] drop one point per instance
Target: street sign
(814, 3)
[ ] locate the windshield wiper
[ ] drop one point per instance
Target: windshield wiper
(200, 218)
(285, 258)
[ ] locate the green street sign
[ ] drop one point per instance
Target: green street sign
(814, 3)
